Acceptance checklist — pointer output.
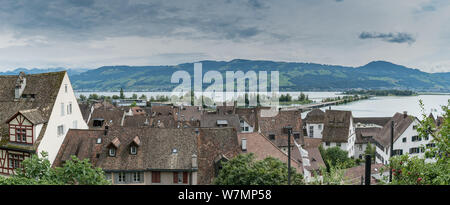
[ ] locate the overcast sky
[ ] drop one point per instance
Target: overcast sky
(94, 33)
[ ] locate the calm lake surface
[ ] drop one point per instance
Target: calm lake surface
(373, 107)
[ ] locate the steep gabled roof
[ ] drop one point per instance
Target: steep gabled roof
(263, 148)
(366, 135)
(336, 126)
(380, 121)
(275, 125)
(401, 123)
(159, 149)
(315, 116)
(211, 120)
(33, 115)
(44, 87)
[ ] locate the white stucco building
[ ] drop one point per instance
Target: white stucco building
(339, 131)
(36, 112)
(314, 123)
(406, 139)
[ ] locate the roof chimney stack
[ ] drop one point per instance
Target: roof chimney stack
(194, 161)
(405, 114)
(244, 144)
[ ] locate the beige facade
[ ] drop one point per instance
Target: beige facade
(145, 178)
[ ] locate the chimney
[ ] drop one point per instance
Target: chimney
(405, 114)
(21, 82)
(244, 144)
(194, 161)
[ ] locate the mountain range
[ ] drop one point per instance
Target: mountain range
(293, 76)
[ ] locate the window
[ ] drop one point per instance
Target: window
(133, 150)
(15, 161)
(65, 88)
(414, 127)
(311, 131)
(156, 177)
(427, 137)
(21, 135)
(99, 140)
(60, 130)
(414, 150)
(75, 124)
(404, 139)
(327, 143)
(62, 109)
(431, 145)
(180, 177)
(137, 177)
(112, 152)
(121, 177)
(246, 129)
(320, 127)
(338, 144)
(397, 152)
(296, 136)
(69, 108)
(414, 138)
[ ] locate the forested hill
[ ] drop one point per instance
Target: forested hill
(293, 76)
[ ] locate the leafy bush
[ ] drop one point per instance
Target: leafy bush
(37, 171)
(245, 170)
(414, 170)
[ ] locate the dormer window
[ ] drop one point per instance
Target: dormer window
(112, 151)
(113, 146)
(133, 150)
(134, 145)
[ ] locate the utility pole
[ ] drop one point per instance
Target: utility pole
(289, 130)
(392, 148)
(368, 169)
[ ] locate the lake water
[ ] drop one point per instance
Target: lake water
(374, 107)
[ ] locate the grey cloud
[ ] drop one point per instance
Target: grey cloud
(389, 37)
(90, 19)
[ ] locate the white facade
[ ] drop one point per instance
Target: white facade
(404, 144)
(245, 127)
(314, 130)
(348, 146)
(65, 113)
(360, 150)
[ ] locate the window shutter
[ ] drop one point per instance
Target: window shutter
(185, 177)
(175, 177)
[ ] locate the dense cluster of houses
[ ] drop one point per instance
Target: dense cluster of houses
(168, 144)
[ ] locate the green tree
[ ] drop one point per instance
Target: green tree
(245, 170)
(335, 156)
(83, 98)
(415, 170)
(134, 96)
(122, 96)
(143, 97)
(370, 150)
(93, 96)
(37, 171)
